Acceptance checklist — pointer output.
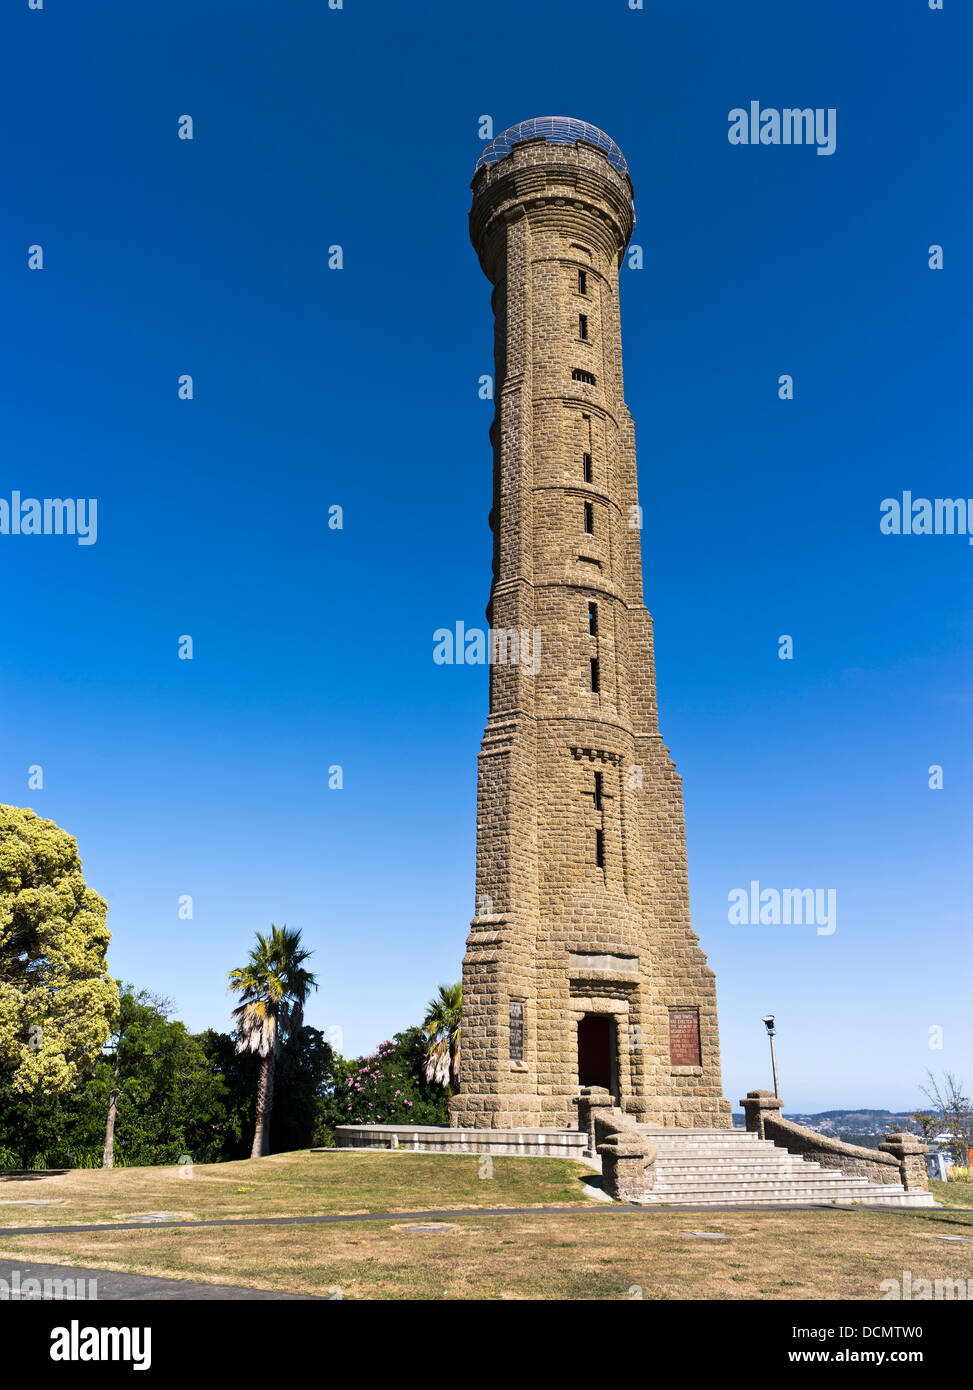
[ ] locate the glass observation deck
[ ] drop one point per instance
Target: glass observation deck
(556, 130)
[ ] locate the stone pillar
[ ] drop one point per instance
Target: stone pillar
(627, 1156)
(757, 1106)
(910, 1153)
(594, 1103)
(627, 1171)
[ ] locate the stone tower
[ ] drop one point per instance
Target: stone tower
(581, 965)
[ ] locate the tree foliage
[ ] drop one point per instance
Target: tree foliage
(273, 986)
(57, 1000)
(388, 1086)
(179, 1094)
(954, 1114)
(442, 1025)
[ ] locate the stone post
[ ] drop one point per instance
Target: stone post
(627, 1170)
(910, 1153)
(757, 1106)
(594, 1102)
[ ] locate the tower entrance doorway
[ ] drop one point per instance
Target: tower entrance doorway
(597, 1052)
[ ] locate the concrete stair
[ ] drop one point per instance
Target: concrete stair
(723, 1167)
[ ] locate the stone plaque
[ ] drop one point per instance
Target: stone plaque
(580, 964)
(684, 1038)
(516, 1030)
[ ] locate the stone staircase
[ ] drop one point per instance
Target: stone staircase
(722, 1167)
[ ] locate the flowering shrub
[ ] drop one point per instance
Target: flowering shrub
(386, 1087)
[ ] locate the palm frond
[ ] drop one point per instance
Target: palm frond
(273, 987)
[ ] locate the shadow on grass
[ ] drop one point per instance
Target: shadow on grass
(31, 1174)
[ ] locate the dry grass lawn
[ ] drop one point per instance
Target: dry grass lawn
(292, 1184)
(595, 1253)
(601, 1254)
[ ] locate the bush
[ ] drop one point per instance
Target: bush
(388, 1087)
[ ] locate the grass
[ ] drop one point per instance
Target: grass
(601, 1254)
(952, 1194)
(594, 1253)
(292, 1184)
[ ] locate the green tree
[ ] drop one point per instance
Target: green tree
(954, 1114)
(273, 987)
(442, 1026)
(925, 1123)
(162, 1092)
(57, 1000)
(305, 1077)
(157, 1086)
(127, 1050)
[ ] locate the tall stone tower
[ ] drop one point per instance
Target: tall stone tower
(581, 965)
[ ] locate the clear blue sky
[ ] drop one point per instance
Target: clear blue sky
(359, 388)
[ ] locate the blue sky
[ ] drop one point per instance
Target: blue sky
(358, 387)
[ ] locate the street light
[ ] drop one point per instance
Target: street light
(769, 1024)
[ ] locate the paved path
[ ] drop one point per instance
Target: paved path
(340, 1218)
(111, 1284)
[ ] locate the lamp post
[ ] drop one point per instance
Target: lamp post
(769, 1024)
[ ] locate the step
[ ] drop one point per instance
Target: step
(759, 1160)
(690, 1133)
(757, 1146)
(710, 1140)
(774, 1185)
(719, 1167)
(746, 1156)
(766, 1185)
(697, 1136)
(732, 1199)
(731, 1172)
(719, 1155)
(743, 1156)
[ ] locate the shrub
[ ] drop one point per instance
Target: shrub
(388, 1086)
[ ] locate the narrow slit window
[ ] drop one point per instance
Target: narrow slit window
(595, 678)
(593, 619)
(598, 789)
(586, 465)
(589, 518)
(582, 326)
(582, 282)
(600, 848)
(579, 374)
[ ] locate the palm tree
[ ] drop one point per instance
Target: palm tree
(273, 986)
(442, 1023)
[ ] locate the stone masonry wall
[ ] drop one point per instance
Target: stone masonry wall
(568, 772)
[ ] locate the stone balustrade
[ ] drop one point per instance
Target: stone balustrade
(898, 1159)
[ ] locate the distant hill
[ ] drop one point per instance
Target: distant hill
(866, 1127)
